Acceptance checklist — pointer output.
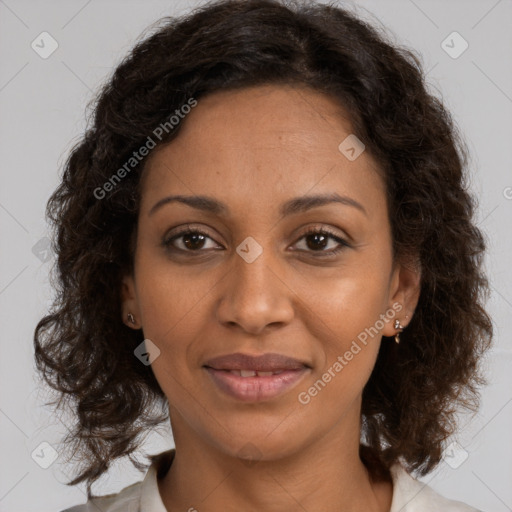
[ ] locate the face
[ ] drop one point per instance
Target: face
(260, 269)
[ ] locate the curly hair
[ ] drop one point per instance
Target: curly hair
(83, 349)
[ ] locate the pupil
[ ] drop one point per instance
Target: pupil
(195, 237)
(316, 236)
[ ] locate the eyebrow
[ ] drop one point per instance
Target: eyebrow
(290, 207)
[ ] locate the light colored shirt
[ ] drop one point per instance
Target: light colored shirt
(409, 495)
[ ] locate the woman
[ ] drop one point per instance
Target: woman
(266, 234)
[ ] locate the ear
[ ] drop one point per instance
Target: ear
(129, 302)
(405, 287)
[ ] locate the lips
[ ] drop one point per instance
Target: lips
(265, 363)
(255, 378)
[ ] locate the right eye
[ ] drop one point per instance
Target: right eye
(187, 240)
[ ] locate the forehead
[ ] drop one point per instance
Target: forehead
(262, 143)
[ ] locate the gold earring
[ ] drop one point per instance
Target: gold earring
(130, 318)
(399, 329)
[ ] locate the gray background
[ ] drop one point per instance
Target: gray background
(42, 113)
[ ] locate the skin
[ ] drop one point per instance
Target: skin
(254, 149)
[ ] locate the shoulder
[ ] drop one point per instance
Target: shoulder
(411, 495)
(143, 495)
(126, 500)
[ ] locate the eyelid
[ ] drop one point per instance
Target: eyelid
(325, 229)
(340, 239)
(185, 229)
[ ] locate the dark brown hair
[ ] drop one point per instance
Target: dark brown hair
(85, 351)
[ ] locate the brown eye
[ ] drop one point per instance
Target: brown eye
(193, 240)
(316, 240)
(188, 240)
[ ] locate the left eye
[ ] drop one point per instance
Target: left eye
(319, 238)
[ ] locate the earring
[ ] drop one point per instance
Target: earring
(130, 318)
(399, 329)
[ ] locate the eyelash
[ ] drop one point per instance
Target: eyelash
(167, 242)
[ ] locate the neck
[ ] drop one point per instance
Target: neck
(326, 475)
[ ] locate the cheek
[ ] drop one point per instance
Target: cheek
(349, 303)
(175, 310)
(170, 297)
(168, 301)
(347, 324)
(348, 340)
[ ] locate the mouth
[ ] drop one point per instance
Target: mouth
(255, 378)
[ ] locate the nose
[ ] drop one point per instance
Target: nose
(254, 296)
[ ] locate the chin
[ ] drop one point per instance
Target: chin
(261, 441)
